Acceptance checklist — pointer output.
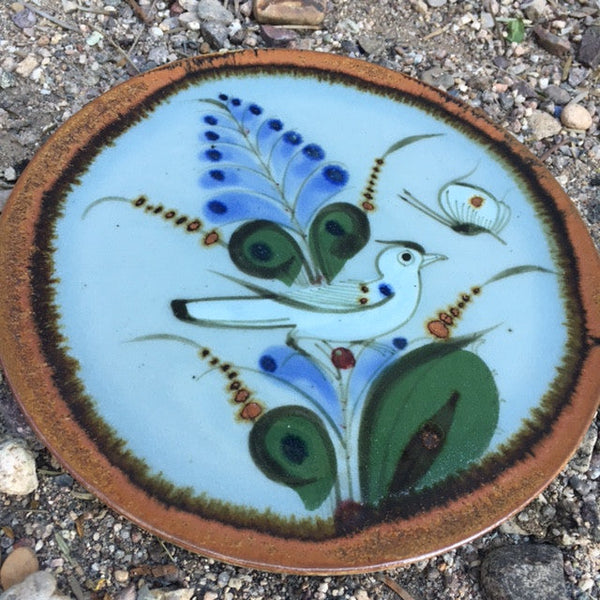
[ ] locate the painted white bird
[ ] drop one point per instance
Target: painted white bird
(346, 312)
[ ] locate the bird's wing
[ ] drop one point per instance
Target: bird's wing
(339, 297)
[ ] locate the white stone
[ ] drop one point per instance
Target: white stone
(191, 5)
(27, 65)
(213, 10)
(534, 9)
(38, 586)
(17, 469)
(69, 6)
(575, 116)
(543, 125)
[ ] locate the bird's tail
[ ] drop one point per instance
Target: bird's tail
(236, 312)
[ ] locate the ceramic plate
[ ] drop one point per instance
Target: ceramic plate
(299, 312)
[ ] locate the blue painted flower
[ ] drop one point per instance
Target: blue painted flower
(313, 152)
(292, 137)
(336, 175)
(275, 124)
(213, 155)
(217, 207)
(267, 363)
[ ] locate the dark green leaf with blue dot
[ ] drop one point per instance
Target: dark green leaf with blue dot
(264, 249)
(291, 445)
(338, 232)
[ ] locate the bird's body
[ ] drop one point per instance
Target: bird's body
(343, 312)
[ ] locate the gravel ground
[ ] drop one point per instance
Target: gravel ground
(55, 56)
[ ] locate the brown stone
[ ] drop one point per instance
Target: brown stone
(551, 42)
(20, 563)
(277, 37)
(290, 12)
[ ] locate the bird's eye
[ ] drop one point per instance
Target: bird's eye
(406, 258)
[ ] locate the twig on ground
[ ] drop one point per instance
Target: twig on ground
(49, 17)
(389, 582)
(137, 9)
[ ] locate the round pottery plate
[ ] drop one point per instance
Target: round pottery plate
(298, 312)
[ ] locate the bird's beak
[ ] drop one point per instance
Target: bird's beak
(431, 258)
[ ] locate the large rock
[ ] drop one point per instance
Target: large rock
(38, 586)
(290, 12)
(524, 572)
(17, 469)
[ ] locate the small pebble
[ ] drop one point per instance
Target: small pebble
(543, 125)
(575, 116)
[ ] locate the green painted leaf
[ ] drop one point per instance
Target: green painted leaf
(264, 249)
(337, 233)
(427, 416)
(290, 445)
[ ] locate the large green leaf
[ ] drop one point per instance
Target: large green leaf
(429, 415)
(337, 233)
(290, 445)
(264, 249)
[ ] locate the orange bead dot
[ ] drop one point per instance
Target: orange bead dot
(241, 396)
(438, 329)
(368, 206)
(251, 411)
(211, 238)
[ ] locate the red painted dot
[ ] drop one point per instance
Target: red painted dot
(476, 201)
(342, 358)
(368, 206)
(194, 225)
(363, 300)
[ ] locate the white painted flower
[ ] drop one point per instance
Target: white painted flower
(466, 208)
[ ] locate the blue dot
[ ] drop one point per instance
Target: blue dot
(217, 207)
(275, 125)
(400, 343)
(236, 101)
(558, 111)
(385, 289)
(255, 109)
(223, 97)
(313, 152)
(211, 136)
(267, 363)
(336, 175)
(217, 175)
(213, 155)
(334, 228)
(292, 138)
(210, 120)
(261, 251)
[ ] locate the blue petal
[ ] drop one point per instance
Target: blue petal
(297, 370)
(226, 176)
(318, 189)
(231, 206)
